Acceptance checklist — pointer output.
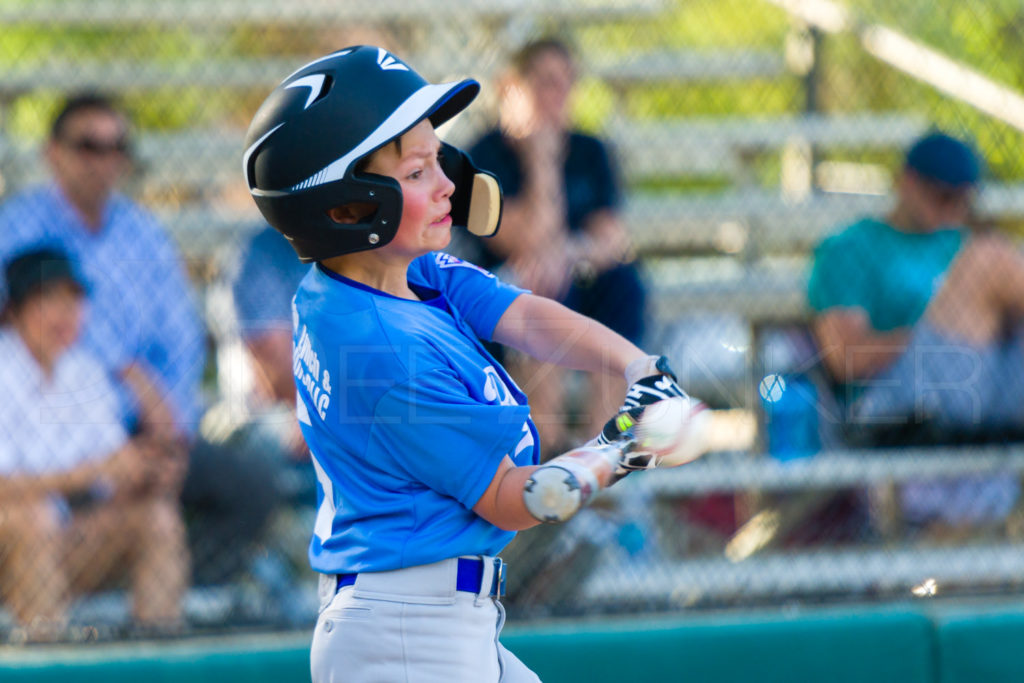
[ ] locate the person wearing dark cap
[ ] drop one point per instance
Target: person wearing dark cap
(143, 325)
(917, 318)
(81, 501)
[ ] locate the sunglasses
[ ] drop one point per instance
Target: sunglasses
(94, 147)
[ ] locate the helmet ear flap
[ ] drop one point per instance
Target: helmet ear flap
(476, 201)
(316, 235)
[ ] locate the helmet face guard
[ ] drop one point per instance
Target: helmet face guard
(306, 140)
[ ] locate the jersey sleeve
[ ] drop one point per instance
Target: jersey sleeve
(478, 295)
(430, 430)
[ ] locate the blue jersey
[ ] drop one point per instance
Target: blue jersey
(407, 417)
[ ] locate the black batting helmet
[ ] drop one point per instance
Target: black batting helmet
(304, 144)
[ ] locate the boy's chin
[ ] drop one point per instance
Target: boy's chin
(443, 240)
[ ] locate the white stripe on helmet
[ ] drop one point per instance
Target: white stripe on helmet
(408, 113)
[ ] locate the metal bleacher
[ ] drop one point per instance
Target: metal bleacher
(750, 571)
(689, 146)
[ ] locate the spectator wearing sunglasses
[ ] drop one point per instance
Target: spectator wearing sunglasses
(142, 322)
(918, 320)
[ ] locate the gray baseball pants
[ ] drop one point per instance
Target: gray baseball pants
(411, 626)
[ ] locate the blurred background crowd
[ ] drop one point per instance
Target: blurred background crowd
(812, 208)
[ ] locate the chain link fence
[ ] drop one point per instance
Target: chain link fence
(744, 133)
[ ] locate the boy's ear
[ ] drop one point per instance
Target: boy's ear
(349, 214)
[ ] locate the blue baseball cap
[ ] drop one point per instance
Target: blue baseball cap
(941, 158)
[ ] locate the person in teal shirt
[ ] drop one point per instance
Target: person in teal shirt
(889, 273)
(918, 321)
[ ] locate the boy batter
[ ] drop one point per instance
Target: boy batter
(424, 448)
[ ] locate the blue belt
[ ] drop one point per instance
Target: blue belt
(468, 577)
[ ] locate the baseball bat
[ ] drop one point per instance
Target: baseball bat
(669, 433)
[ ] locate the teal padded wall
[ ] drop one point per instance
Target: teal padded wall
(979, 648)
(271, 659)
(917, 643)
(841, 647)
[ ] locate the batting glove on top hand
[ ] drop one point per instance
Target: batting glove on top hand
(650, 380)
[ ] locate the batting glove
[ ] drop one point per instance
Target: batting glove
(650, 380)
(619, 431)
(633, 460)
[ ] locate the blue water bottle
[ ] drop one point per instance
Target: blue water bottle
(791, 416)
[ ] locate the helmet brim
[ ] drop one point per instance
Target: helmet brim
(454, 99)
